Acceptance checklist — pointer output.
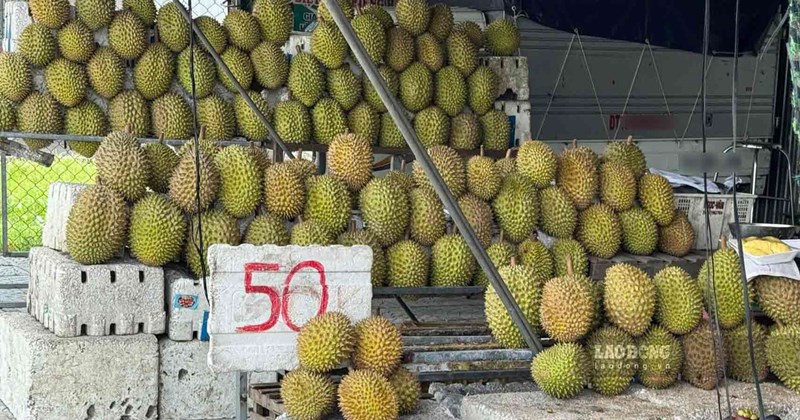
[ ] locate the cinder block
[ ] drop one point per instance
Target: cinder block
(60, 198)
(71, 299)
(189, 390)
(519, 114)
(46, 377)
(512, 74)
(187, 307)
(260, 296)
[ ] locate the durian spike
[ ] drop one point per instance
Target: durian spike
(568, 261)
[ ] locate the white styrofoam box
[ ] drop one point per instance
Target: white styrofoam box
(60, 198)
(519, 113)
(262, 295)
(15, 19)
(46, 377)
(187, 307)
(512, 74)
(301, 39)
(71, 299)
(189, 390)
(720, 214)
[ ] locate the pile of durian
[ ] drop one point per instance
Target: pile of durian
(428, 61)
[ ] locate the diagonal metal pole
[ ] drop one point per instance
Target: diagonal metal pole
(250, 104)
(399, 118)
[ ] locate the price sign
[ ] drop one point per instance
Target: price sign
(262, 295)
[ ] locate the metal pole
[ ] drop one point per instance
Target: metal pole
(4, 188)
(399, 118)
(203, 40)
(241, 396)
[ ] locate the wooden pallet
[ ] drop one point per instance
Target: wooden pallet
(267, 402)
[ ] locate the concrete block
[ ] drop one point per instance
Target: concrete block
(189, 390)
(71, 299)
(519, 114)
(187, 307)
(60, 198)
(261, 295)
(512, 74)
(46, 377)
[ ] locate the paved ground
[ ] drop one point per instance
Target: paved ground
(13, 271)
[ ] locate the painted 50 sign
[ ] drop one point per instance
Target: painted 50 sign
(260, 296)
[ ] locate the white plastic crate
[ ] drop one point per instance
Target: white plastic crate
(720, 215)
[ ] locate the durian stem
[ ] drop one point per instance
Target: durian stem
(352, 226)
(202, 134)
(723, 242)
(298, 49)
(128, 128)
(508, 152)
(501, 235)
(630, 140)
(481, 151)
(513, 261)
(574, 143)
(161, 139)
(568, 261)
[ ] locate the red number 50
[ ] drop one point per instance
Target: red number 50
(279, 305)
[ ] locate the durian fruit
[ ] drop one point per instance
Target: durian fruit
(380, 14)
(479, 215)
(378, 346)
(561, 371)
(275, 18)
(703, 364)
(85, 119)
(502, 37)
(39, 113)
(127, 35)
(461, 53)
(465, 132)
(122, 165)
(171, 117)
(407, 265)
(329, 120)
(407, 388)
(559, 218)
(500, 253)
(451, 91)
(162, 161)
(660, 358)
(599, 230)
(363, 120)
(292, 121)
(267, 228)
(783, 355)
(350, 160)
(724, 278)
(483, 177)
(307, 395)
(390, 135)
(496, 130)
(325, 342)
(450, 166)
(656, 196)
(677, 238)
(627, 153)
(400, 49)
(106, 72)
(385, 209)
(205, 72)
(323, 15)
(779, 298)
(568, 306)
(306, 78)
(737, 352)
(402, 179)
(452, 263)
(205, 145)
(284, 192)
(328, 45)
(472, 30)
(680, 300)
(516, 208)
(129, 110)
(639, 231)
(428, 222)
(37, 44)
(629, 296)
(364, 394)
(413, 16)
(617, 186)
(526, 290)
(213, 31)
(311, 232)
(217, 116)
(302, 167)
(364, 237)
(241, 67)
(416, 87)
(537, 161)
(260, 156)
(345, 87)
(157, 230)
(507, 165)
(240, 187)
(247, 123)
(328, 202)
(432, 126)
(270, 65)
(172, 27)
(577, 176)
(563, 248)
(242, 29)
(145, 10)
(182, 184)
(66, 81)
(97, 225)
(441, 23)
(370, 32)
(532, 252)
(50, 13)
(8, 115)
(152, 74)
(483, 86)
(76, 41)
(614, 361)
(430, 52)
